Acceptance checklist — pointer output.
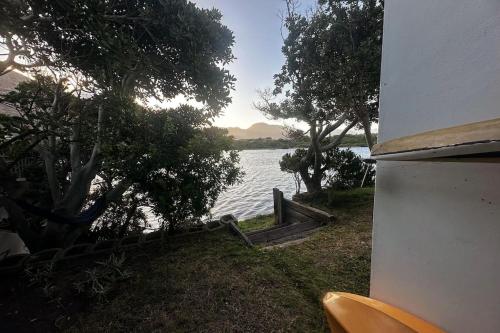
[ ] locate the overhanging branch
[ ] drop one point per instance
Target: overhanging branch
(332, 127)
(339, 138)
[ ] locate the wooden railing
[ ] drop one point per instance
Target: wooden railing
(289, 212)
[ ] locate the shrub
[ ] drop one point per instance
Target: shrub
(290, 163)
(347, 170)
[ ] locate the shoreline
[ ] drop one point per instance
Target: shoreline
(277, 148)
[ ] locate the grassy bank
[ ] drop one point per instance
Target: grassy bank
(214, 283)
(259, 222)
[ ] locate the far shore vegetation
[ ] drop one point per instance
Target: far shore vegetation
(349, 140)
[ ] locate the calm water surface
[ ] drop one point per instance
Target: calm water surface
(253, 196)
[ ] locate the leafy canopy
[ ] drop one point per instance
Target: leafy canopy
(140, 47)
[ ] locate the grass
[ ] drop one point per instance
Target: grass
(214, 283)
(343, 202)
(256, 223)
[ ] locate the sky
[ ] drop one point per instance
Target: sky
(257, 30)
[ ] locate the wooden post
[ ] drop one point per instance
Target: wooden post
(275, 204)
(278, 206)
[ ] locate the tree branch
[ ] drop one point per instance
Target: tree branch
(338, 140)
(117, 191)
(97, 146)
(49, 161)
(49, 152)
(74, 149)
(10, 62)
(365, 121)
(332, 127)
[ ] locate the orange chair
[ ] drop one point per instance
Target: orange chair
(349, 313)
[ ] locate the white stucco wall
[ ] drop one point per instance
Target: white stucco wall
(436, 247)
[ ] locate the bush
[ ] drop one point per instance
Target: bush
(347, 170)
(290, 163)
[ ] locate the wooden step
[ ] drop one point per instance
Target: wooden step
(260, 231)
(273, 234)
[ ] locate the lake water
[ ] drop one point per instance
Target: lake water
(253, 196)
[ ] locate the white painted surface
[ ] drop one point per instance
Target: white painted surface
(441, 65)
(436, 247)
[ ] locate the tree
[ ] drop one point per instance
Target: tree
(352, 54)
(322, 83)
(105, 55)
(172, 160)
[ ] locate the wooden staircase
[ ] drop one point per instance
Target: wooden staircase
(281, 233)
(293, 220)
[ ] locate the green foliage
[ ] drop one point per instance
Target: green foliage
(352, 46)
(122, 218)
(145, 48)
(267, 143)
(185, 189)
(172, 159)
(347, 170)
(293, 163)
(330, 77)
(332, 61)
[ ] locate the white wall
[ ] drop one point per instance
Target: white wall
(436, 247)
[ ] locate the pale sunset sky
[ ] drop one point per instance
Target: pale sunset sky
(256, 26)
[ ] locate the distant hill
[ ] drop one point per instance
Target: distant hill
(256, 131)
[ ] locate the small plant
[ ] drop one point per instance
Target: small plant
(101, 280)
(42, 276)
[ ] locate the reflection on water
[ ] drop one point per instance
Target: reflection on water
(253, 196)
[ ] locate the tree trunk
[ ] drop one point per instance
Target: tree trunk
(73, 200)
(63, 235)
(312, 183)
(367, 128)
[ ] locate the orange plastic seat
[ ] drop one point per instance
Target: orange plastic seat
(349, 313)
